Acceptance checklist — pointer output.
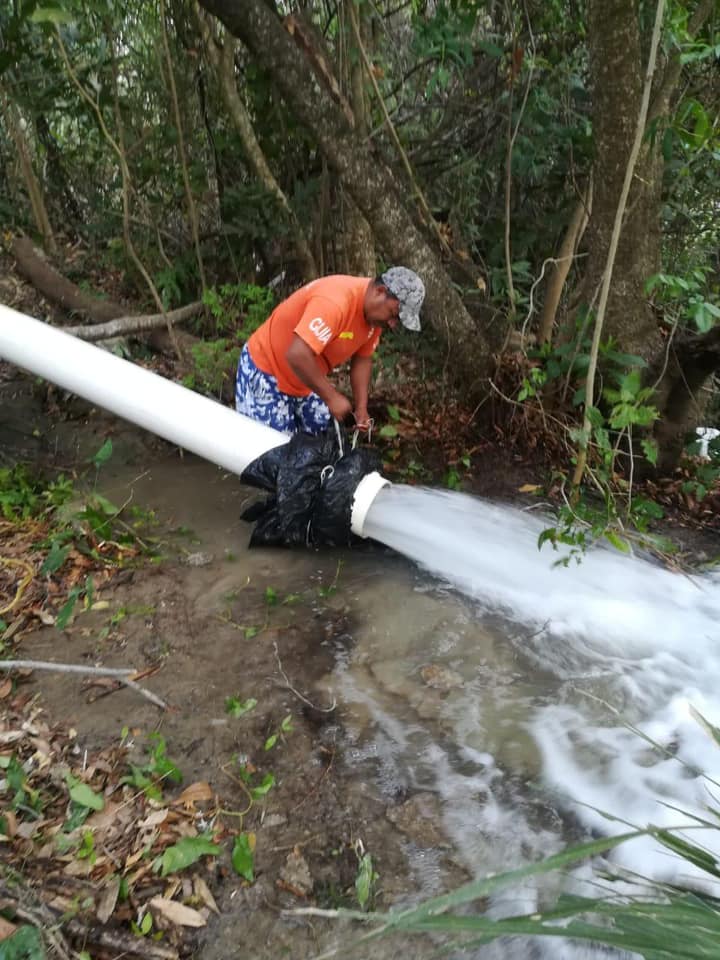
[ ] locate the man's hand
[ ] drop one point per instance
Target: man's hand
(339, 406)
(362, 418)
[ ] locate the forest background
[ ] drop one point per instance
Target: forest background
(550, 169)
(169, 170)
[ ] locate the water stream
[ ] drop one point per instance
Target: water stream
(551, 664)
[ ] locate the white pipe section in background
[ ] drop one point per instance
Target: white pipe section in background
(183, 417)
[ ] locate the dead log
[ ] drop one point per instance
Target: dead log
(126, 326)
(32, 265)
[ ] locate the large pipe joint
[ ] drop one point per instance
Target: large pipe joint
(320, 494)
(363, 498)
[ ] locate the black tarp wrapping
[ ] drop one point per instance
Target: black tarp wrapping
(312, 481)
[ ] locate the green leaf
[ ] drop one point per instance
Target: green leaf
(491, 49)
(106, 507)
(268, 782)
(103, 454)
(364, 880)
(236, 708)
(25, 944)
(81, 793)
(703, 320)
(184, 853)
(388, 431)
(55, 558)
(650, 449)
(243, 857)
(622, 545)
(393, 412)
(271, 597)
(66, 611)
(271, 741)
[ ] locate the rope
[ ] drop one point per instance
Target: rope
(22, 586)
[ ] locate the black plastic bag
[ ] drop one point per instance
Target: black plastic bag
(313, 481)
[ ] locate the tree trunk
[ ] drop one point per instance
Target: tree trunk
(58, 181)
(616, 69)
(58, 289)
(359, 246)
(560, 267)
(223, 65)
(32, 184)
(363, 174)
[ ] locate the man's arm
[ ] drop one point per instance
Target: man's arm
(304, 365)
(360, 372)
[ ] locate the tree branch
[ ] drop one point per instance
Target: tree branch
(124, 326)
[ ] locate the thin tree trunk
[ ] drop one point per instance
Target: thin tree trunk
(192, 211)
(359, 245)
(562, 263)
(32, 184)
(223, 64)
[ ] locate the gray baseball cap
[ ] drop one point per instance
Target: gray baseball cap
(410, 291)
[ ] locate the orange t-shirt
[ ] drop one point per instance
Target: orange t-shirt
(327, 314)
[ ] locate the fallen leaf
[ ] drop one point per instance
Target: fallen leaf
(529, 488)
(176, 913)
(153, 819)
(7, 929)
(108, 899)
(202, 892)
(5, 688)
(133, 858)
(195, 793)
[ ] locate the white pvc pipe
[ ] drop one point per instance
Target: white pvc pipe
(183, 417)
(365, 492)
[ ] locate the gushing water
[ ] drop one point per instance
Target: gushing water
(622, 640)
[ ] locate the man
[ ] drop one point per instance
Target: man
(282, 377)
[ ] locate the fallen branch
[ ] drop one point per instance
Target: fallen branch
(33, 265)
(124, 326)
(124, 943)
(123, 674)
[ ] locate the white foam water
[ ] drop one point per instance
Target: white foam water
(626, 640)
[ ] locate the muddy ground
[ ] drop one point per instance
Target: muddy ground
(205, 622)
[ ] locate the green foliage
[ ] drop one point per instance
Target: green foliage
(365, 879)
(184, 853)
(687, 299)
(243, 856)
(285, 727)
(25, 944)
(150, 776)
(82, 795)
(617, 433)
(239, 308)
(215, 362)
(453, 478)
(24, 494)
(235, 707)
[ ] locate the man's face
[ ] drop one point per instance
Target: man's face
(382, 309)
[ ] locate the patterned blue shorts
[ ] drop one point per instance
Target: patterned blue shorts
(258, 396)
